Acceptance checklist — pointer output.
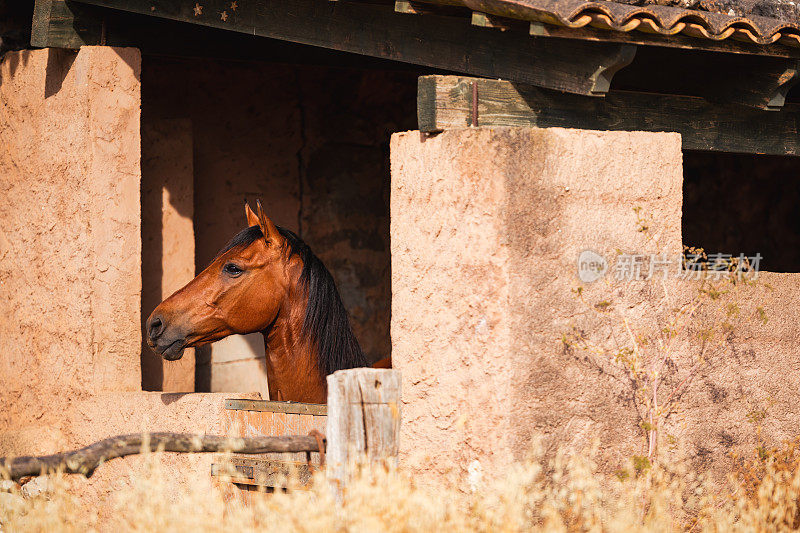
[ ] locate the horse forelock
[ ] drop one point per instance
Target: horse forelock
(246, 237)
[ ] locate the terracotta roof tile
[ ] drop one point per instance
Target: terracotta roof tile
(664, 20)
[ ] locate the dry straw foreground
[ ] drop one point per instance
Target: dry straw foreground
(563, 494)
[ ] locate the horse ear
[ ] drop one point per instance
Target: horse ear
(269, 229)
(252, 218)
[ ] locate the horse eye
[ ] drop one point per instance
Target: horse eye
(232, 269)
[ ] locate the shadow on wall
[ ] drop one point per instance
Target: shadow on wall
(59, 63)
(16, 19)
(167, 203)
(741, 203)
(10, 62)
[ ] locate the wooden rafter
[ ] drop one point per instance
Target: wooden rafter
(763, 86)
(746, 80)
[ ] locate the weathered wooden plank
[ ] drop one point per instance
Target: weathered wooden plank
(66, 24)
(363, 419)
(256, 418)
(446, 102)
(277, 407)
(161, 36)
(450, 43)
(262, 472)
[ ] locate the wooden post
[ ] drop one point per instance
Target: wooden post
(363, 420)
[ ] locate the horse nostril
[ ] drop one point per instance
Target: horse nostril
(155, 327)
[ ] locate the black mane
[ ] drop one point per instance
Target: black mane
(326, 320)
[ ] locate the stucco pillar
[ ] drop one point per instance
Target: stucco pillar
(70, 247)
(486, 229)
(167, 238)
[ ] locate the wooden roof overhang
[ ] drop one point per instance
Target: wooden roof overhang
(650, 18)
(720, 88)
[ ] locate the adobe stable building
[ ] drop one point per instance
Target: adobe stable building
(449, 162)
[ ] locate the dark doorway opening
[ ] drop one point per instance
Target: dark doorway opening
(307, 131)
(742, 203)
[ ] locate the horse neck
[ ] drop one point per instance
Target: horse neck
(292, 362)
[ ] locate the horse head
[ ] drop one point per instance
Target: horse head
(241, 291)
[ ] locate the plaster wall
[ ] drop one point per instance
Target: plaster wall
(107, 414)
(499, 341)
(70, 250)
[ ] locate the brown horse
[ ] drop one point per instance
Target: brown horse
(268, 280)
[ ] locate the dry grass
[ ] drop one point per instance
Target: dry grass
(562, 494)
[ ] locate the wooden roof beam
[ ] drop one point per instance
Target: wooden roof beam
(450, 43)
(64, 24)
(452, 102)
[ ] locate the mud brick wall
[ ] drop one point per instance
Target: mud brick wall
(70, 252)
(501, 343)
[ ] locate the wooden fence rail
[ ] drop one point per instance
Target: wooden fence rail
(363, 421)
(85, 460)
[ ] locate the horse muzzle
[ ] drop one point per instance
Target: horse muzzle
(166, 344)
(171, 352)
